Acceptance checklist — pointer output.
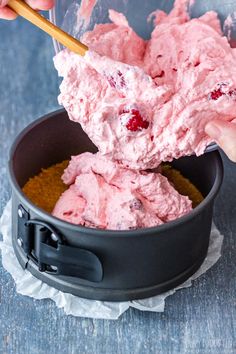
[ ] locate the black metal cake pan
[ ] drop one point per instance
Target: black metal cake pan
(104, 264)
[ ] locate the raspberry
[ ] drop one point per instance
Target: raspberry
(232, 93)
(136, 204)
(162, 73)
(122, 80)
(118, 82)
(136, 121)
(111, 81)
(68, 213)
(214, 95)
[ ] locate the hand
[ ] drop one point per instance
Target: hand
(7, 14)
(224, 134)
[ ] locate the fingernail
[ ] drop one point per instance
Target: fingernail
(3, 3)
(213, 131)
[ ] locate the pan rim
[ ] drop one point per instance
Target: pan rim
(102, 232)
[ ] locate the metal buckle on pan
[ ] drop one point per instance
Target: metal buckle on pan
(46, 247)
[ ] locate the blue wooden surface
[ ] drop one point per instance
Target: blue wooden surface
(196, 320)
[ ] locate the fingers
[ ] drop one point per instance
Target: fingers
(224, 133)
(40, 4)
(3, 3)
(8, 14)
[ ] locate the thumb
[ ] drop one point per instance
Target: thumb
(224, 133)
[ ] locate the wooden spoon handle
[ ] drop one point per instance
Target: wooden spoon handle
(24, 10)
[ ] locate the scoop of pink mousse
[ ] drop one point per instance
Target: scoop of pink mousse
(104, 195)
(146, 102)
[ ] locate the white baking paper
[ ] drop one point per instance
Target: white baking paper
(27, 284)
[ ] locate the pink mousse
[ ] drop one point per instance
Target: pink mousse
(146, 102)
(141, 103)
(103, 194)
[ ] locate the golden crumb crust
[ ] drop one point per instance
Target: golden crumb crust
(45, 189)
(182, 184)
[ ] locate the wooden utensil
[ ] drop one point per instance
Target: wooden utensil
(24, 10)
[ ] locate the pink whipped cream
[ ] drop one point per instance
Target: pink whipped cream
(143, 102)
(103, 194)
